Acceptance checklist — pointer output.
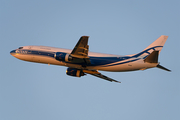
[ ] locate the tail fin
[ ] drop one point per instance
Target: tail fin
(153, 50)
(157, 44)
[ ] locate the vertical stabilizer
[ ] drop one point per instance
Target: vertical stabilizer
(158, 44)
(154, 49)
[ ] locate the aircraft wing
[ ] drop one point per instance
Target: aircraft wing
(98, 74)
(105, 77)
(81, 48)
(80, 51)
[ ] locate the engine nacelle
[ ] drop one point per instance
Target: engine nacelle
(62, 57)
(75, 72)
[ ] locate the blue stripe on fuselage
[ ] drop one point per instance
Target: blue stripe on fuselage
(109, 60)
(95, 61)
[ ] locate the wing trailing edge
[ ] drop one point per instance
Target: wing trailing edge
(98, 74)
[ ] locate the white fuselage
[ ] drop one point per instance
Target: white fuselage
(104, 62)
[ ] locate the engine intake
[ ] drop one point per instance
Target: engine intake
(60, 56)
(75, 72)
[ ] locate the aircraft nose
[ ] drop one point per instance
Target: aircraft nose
(12, 52)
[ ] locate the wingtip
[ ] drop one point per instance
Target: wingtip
(165, 36)
(117, 81)
(85, 36)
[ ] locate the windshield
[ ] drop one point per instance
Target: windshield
(20, 48)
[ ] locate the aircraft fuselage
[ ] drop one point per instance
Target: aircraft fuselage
(99, 61)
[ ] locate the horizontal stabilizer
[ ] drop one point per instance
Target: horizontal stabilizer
(152, 58)
(163, 68)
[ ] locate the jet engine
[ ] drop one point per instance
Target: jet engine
(60, 56)
(74, 72)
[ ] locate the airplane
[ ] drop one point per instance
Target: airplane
(81, 62)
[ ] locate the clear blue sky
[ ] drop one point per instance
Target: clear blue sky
(31, 91)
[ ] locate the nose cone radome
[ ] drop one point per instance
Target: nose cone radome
(13, 52)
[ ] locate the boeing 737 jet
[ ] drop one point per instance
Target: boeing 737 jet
(81, 62)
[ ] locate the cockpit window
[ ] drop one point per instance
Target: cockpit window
(20, 47)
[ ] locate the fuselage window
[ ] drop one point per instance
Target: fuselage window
(20, 47)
